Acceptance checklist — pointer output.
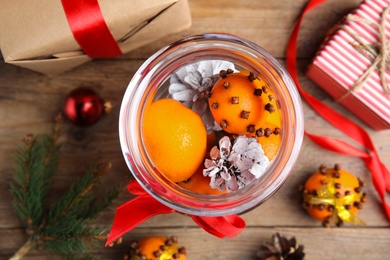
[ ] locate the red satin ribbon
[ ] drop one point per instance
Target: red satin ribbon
(379, 173)
(134, 212)
(90, 29)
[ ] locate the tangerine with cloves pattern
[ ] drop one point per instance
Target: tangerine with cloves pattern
(334, 196)
(241, 102)
(156, 248)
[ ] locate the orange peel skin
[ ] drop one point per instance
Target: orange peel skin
(175, 138)
(240, 103)
(157, 248)
(270, 144)
(198, 183)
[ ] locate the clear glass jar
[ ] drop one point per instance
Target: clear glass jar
(150, 79)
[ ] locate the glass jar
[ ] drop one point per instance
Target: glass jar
(152, 78)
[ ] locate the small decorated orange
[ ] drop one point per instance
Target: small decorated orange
(156, 248)
(333, 196)
(241, 102)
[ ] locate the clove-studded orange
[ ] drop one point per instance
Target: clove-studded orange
(241, 102)
(333, 196)
(156, 248)
(175, 138)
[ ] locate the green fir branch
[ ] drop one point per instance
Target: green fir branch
(75, 241)
(36, 162)
(100, 204)
(69, 216)
(75, 199)
(64, 227)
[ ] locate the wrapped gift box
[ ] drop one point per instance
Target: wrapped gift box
(344, 60)
(35, 34)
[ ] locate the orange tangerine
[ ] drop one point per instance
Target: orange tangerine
(337, 183)
(271, 143)
(275, 118)
(240, 103)
(347, 180)
(149, 245)
(160, 248)
(175, 138)
(199, 183)
(318, 214)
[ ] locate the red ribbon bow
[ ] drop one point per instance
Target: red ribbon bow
(89, 28)
(379, 173)
(135, 211)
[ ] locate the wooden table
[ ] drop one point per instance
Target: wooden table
(29, 101)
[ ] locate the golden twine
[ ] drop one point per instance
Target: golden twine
(381, 54)
(326, 195)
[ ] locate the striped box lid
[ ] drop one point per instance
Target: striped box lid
(340, 62)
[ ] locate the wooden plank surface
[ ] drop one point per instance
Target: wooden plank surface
(28, 102)
(319, 243)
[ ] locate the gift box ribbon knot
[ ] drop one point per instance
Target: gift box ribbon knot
(379, 54)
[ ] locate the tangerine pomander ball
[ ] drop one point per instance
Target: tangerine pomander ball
(241, 102)
(156, 248)
(333, 196)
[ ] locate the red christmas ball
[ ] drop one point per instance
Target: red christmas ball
(84, 107)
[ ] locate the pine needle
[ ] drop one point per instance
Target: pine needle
(64, 227)
(36, 162)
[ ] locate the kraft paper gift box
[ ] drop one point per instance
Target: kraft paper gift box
(352, 65)
(35, 34)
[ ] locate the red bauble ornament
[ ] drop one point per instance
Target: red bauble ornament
(84, 107)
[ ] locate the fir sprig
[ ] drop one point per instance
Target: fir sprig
(64, 227)
(36, 162)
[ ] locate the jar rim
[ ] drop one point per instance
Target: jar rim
(149, 78)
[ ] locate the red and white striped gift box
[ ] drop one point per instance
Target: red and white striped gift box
(338, 65)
